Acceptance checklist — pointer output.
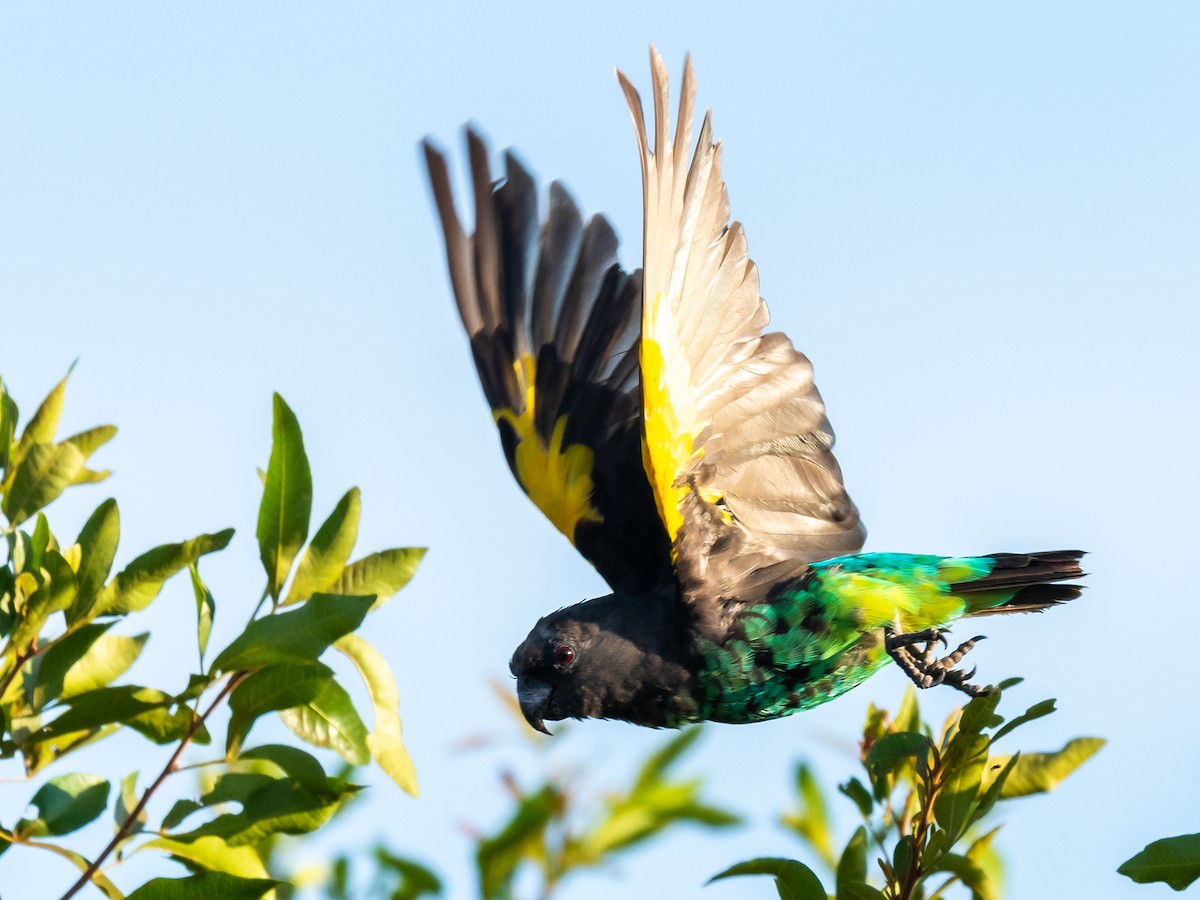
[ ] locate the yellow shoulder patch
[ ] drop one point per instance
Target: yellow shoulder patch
(557, 479)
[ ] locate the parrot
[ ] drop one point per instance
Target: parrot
(685, 452)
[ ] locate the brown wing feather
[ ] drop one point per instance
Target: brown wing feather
(553, 324)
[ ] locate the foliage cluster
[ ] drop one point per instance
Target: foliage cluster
(63, 659)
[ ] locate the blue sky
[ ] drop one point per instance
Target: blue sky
(980, 221)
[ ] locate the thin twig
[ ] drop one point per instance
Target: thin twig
(171, 766)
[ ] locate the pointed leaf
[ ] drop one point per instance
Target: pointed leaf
(298, 636)
(1044, 708)
(970, 874)
(1174, 861)
(8, 424)
(326, 555)
(98, 547)
(40, 429)
(811, 821)
(955, 802)
(384, 741)
(98, 879)
(88, 442)
(136, 586)
(300, 766)
(331, 721)
(662, 759)
(380, 574)
(852, 867)
(64, 804)
(54, 594)
(127, 801)
(857, 791)
(287, 499)
(793, 880)
(206, 609)
(1037, 773)
(105, 705)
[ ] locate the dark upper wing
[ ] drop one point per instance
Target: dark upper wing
(738, 448)
(553, 323)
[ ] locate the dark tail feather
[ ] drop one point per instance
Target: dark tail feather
(1024, 582)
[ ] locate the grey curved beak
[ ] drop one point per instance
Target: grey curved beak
(534, 697)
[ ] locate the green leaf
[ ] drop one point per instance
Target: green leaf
(45, 471)
(127, 801)
(206, 609)
(54, 594)
(326, 555)
(657, 764)
(98, 879)
(384, 741)
(213, 854)
(65, 804)
(415, 879)
(903, 856)
(298, 636)
(811, 821)
(889, 752)
(979, 714)
(204, 886)
(8, 424)
(970, 874)
(92, 709)
(301, 767)
(858, 890)
(98, 547)
(852, 867)
(106, 660)
(857, 792)
(136, 586)
(1174, 861)
(793, 880)
(331, 721)
(179, 811)
(270, 689)
(1038, 773)
(955, 802)
(1044, 708)
(995, 776)
(286, 501)
(380, 574)
(41, 428)
(278, 805)
(498, 857)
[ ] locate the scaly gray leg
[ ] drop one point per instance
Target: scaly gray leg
(927, 670)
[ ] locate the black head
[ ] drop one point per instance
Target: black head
(613, 657)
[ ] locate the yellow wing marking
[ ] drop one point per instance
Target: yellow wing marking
(667, 446)
(558, 480)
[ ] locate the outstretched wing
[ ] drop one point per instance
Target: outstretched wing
(553, 323)
(737, 446)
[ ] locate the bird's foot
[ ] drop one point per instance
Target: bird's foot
(925, 669)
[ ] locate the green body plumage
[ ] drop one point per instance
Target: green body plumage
(822, 634)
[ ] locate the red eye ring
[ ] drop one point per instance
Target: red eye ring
(564, 655)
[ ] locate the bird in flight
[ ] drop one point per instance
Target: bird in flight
(686, 455)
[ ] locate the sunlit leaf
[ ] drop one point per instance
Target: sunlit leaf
(1044, 708)
(302, 767)
(64, 804)
(213, 854)
(98, 547)
(497, 857)
(8, 424)
(384, 741)
(325, 557)
(136, 586)
(380, 574)
(1174, 861)
(297, 636)
(887, 754)
(45, 471)
(811, 821)
(1037, 773)
(42, 426)
(286, 505)
(99, 879)
(970, 874)
(126, 802)
(54, 594)
(331, 721)
(279, 805)
(104, 705)
(206, 608)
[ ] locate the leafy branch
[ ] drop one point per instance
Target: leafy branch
(61, 660)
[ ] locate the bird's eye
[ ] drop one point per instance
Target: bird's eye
(564, 655)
